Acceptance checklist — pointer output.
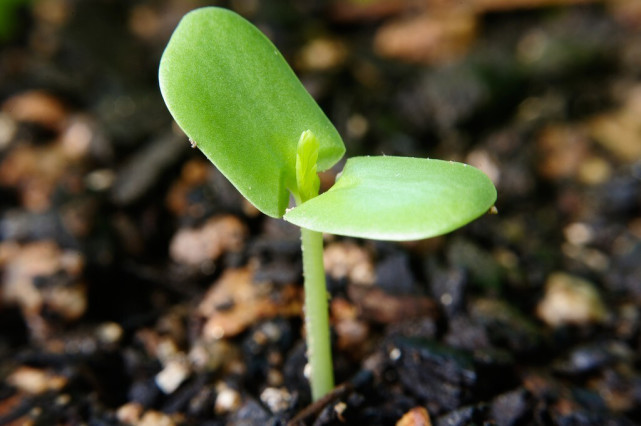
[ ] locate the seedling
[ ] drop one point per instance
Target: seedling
(233, 94)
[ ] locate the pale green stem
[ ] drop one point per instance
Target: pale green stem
(319, 346)
(319, 351)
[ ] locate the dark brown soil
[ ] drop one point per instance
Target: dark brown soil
(138, 287)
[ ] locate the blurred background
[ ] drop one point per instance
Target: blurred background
(138, 287)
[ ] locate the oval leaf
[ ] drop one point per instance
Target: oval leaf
(234, 95)
(398, 198)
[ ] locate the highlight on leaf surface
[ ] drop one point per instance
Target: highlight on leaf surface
(398, 198)
(233, 93)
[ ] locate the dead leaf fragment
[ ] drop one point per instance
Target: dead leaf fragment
(41, 275)
(35, 172)
(427, 38)
(417, 416)
(235, 302)
(351, 332)
(349, 11)
(36, 107)
(195, 172)
(218, 235)
(563, 149)
(503, 5)
(376, 305)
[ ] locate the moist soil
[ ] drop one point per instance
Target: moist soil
(138, 287)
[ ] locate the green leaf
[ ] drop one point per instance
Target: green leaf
(234, 95)
(398, 198)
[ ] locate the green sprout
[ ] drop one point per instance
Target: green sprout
(234, 95)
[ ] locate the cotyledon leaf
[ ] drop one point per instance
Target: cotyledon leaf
(398, 198)
(235, 96)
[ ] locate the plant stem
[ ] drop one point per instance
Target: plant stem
(319, 351)
(319, 347)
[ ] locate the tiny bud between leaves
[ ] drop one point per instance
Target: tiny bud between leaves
(306, 157)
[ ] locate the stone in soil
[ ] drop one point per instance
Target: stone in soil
(570, 300)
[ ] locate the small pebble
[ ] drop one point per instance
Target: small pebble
(592, 357)
(109, 333)
(322, 54)
(394, 274)
(349, 261)
(228, 400)
(276, 399)
(570, 300)
(619, 131)
(274, 377)
(35, 380)
(351, 332)
(173, 375)
(8, 129)
(155, 418)
(130, 413)
(251, 412)
(506, 326)
(511, 408)
(434, 372)
(351, 335)
(76, 138)
(563, 149)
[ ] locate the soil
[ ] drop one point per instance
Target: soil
(138, 287)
